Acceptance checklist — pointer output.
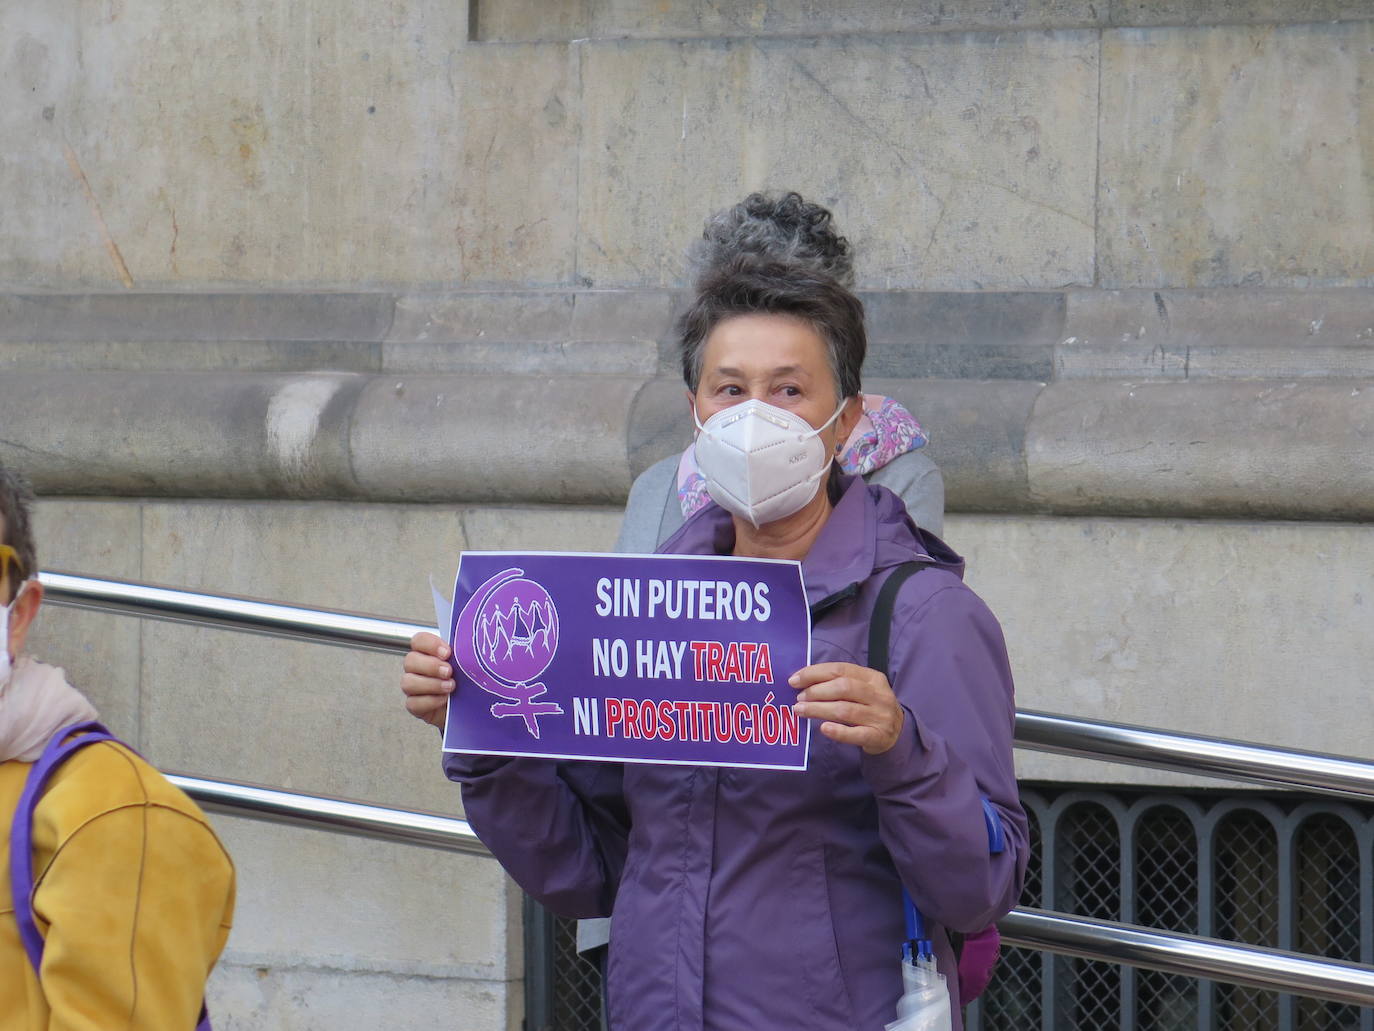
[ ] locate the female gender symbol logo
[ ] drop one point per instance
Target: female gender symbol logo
(504, 638)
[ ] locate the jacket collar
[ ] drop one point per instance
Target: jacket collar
(868, 529)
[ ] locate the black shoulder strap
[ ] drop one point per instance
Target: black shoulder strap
(880, 622)
(58, 750)
(879, 638)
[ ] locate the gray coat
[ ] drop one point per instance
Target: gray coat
(653, 514)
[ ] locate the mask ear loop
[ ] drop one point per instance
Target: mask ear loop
(824, 469)
(825, 425)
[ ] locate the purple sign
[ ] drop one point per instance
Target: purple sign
(629, 658)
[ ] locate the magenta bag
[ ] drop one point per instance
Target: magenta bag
(976, 954)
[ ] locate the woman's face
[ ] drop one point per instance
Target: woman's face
(775, 359)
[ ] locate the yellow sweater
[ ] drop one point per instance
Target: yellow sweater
(134, 897)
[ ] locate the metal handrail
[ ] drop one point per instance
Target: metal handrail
(228, 612)
(1087, 938)
(1190, 955)
(1045, 732)
(1195, 754)
(343, 816)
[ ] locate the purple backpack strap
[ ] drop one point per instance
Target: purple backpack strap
(59, 748)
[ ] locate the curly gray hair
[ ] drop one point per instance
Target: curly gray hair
(749, 286)
(782, 229)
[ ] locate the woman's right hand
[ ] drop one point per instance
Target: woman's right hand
(428, 679)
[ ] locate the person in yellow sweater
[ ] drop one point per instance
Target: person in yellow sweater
(132, 894)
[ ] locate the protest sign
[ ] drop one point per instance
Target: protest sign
(633, 658)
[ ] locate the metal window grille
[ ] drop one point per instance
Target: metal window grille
(1278, 871)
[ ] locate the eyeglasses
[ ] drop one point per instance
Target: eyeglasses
(8, 555)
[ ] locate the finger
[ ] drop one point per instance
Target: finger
(819, 672)
(864, 737)
(849, 713)
(872, 741)
(425, 666)
(414, 686)
(854, 689)
(436, 715)
(424, 706)
(429, 644)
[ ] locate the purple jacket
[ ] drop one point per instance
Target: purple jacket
(755, 899)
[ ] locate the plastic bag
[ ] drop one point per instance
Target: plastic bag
(924, 1005)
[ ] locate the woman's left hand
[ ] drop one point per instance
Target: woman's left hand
(856, 703)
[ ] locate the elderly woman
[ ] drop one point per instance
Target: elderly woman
(885, 446)
(770, 899)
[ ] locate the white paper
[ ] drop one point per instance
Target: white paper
(443, 610)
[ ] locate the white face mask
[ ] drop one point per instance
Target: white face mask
(7, 660)
(760, 462)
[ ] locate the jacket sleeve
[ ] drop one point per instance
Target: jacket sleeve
(135, 908)
(561, 830)
(948, 806)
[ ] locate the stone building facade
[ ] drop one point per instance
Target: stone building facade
(299, 300)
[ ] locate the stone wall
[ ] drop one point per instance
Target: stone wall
(1031, 145)
(298, 301)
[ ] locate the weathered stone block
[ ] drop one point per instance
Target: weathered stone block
(496, 316)
(329, 144)
(550, 528)
(1241, 334)
(506, 333)
(331, 900)
(977, 437)
(557, 359)
(1202, 627)
(209, 317)
(952, 161)
(638, 19)
(1232, 12)
(100, 653)
(559, 440)
(513, 186)
(659, 424)
(643, 315)
(49, 233)
(1234, 156)
(499, 21)
(644, 19)
(249, 997)
(325, 720)
(330, 435)
(1204, 447)
(99, 355)
(985, 335)
(188, 434)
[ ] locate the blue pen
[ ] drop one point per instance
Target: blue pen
(915, 931)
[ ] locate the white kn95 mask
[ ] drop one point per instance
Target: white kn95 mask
(760, 462)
